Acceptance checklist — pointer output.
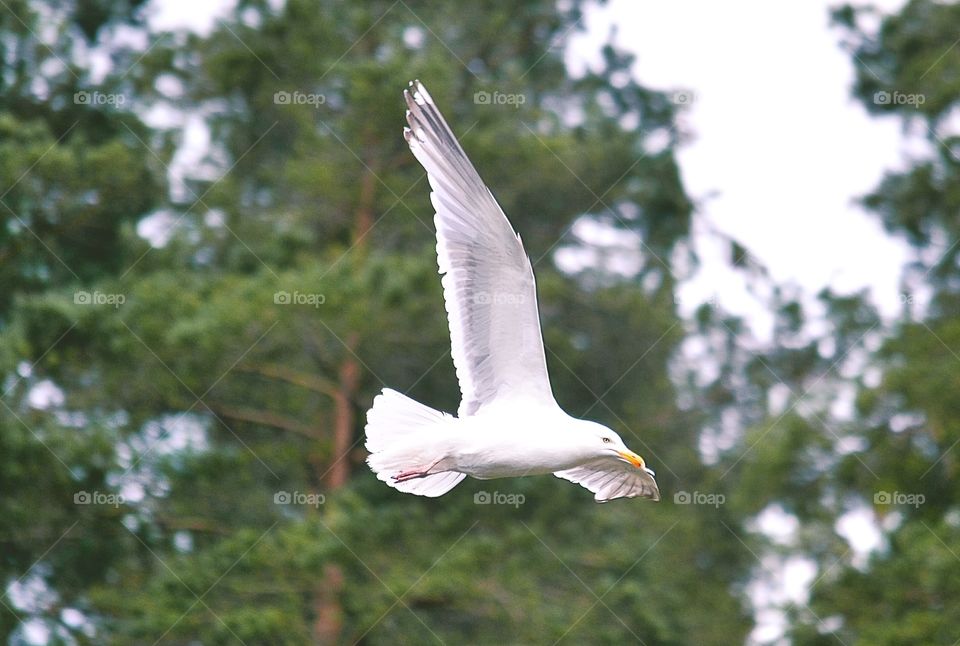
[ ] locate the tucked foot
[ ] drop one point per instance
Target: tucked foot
(403, 476)
(409, 475)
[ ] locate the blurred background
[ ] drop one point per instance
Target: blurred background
(217, 248)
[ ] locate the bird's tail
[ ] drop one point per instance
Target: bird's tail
(401, 437)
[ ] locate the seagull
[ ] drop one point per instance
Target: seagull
(508, 423)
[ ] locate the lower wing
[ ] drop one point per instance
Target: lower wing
(610, 478)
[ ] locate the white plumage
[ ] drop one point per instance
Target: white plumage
(508, 423)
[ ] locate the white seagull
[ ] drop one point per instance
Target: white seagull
(509, 423)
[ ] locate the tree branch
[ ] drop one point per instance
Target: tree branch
(265, 417)
(306, 380)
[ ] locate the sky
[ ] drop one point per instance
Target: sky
(780, 150)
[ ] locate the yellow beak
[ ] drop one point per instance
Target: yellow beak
(632, 458)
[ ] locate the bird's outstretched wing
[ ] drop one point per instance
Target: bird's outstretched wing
(610, 478)
(488, 282)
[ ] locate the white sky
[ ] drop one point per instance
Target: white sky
(780, 149)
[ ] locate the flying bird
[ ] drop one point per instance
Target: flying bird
(508, 423)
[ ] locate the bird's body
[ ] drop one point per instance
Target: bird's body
(495, 443)
(509, 424)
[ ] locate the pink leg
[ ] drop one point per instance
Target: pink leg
(403, 476)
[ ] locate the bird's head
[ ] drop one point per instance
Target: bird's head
(606, 443)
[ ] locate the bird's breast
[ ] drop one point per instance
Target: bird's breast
(504, 450)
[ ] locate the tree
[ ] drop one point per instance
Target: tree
(299, 277)
(74, 180)
(902, 462)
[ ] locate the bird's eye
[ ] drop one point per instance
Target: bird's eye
(607, 440)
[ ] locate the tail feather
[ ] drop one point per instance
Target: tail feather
(399, 431)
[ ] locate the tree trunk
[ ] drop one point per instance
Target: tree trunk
(328, 624)
(344, 417)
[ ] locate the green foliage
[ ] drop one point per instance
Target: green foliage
(905, 467)
(214, 371)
